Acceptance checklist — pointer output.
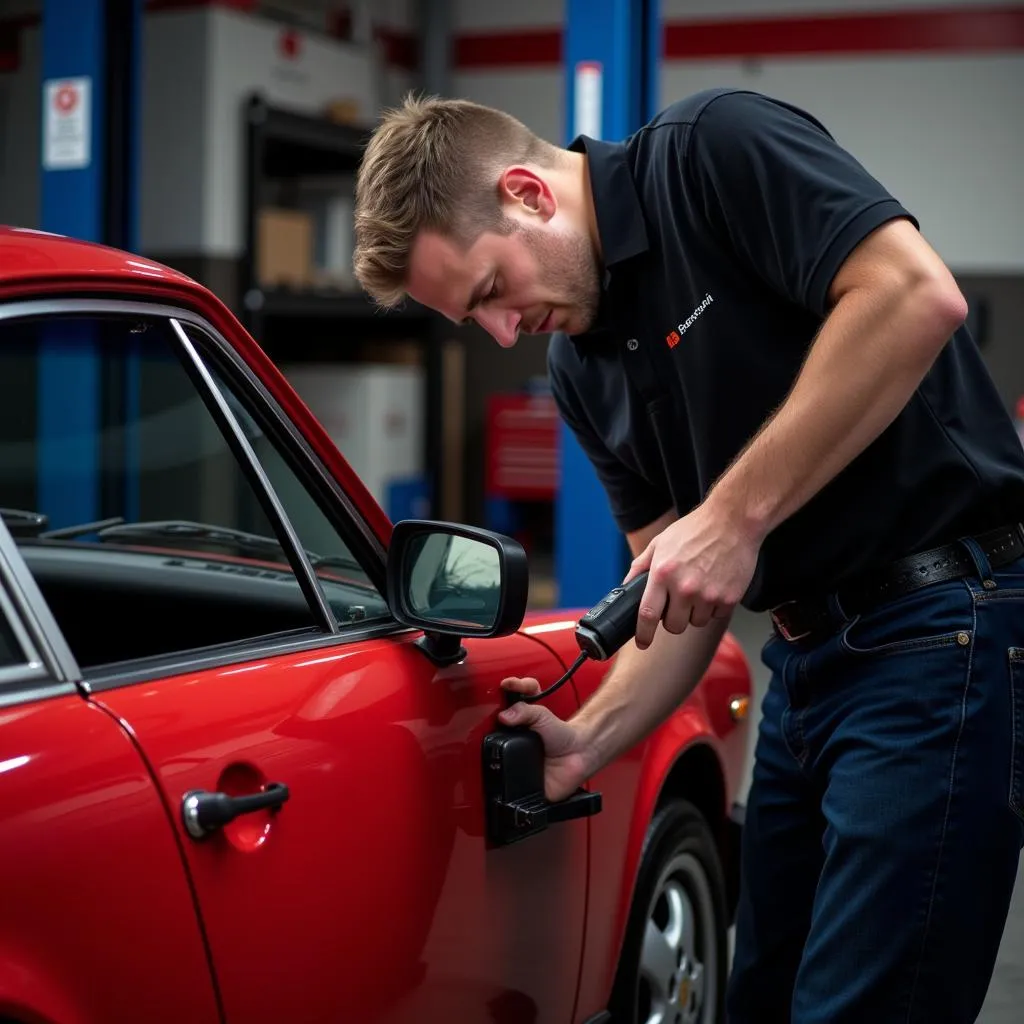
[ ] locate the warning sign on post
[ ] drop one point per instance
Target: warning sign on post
(67, 124)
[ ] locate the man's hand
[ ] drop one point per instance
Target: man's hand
(700, 567)
(565, 763)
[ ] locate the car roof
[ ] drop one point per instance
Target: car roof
(27, 254)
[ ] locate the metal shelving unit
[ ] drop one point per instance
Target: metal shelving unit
(315, 322)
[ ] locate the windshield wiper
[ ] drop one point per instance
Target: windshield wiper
(23, 523)
(79, 529)
(116, 530)
(189, 532)
(335, 562)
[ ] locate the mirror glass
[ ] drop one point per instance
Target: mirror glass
(453, 581)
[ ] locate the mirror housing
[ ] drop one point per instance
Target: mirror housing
(455, 581)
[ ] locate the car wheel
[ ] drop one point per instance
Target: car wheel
(674, 959)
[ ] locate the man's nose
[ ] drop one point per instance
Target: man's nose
(500, 324)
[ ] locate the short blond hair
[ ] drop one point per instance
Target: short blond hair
(432, 164)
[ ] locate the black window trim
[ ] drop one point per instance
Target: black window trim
(304, 462)
(258, 479)
(62, 665)
(166, 666)
(49, 669)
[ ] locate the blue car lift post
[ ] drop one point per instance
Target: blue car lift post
(611, 52)
(89, 169)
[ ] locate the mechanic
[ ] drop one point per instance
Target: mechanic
(769, 368)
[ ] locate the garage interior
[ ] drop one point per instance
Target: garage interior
(233, 130)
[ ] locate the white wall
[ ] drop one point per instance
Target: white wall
(944, 134)
(535, 96)
(943, 131)
(485, 15)
(243, 56)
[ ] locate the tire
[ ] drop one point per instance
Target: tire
(680, 977)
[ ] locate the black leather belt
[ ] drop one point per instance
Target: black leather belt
(802, 618)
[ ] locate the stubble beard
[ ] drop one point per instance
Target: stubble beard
(566, 260)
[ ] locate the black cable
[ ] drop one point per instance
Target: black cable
(561, 682)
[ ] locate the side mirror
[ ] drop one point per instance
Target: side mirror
(454, 581)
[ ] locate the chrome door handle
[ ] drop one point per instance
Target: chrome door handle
(204, 812)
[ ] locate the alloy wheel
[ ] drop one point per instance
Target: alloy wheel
(678, 957)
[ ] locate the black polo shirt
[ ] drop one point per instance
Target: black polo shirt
(722, 223)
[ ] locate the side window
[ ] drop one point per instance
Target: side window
(10, 650)
(15, 649)
(127, 503)
(347, 586)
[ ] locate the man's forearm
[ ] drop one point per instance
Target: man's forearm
(863, 368)
(643, 688)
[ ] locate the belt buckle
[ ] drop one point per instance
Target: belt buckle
(781, 627)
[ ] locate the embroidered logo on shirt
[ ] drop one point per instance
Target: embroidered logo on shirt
(673, 337)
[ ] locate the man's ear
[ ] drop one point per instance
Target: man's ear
(524, 188)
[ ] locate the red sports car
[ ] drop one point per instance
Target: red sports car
(250, 763)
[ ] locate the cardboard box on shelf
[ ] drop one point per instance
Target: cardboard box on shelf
(395, 352)
(344, 110)
(284, 248)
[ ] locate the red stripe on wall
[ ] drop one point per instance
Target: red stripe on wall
(537, 47)
(931, 30)
(401, 49)
(948, 30)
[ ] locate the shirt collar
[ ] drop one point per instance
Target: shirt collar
(620, 224)
(620, 219)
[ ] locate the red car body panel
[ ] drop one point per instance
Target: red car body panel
(372, 894)
(377, 861)
(96, 918)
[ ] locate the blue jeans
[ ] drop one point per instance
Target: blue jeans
(886, 811)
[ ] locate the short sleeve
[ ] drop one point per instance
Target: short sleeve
(793, 203)
(634, 502)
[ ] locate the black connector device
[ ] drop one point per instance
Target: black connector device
(612, 621)
(603, 629)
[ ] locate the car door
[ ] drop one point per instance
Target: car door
(364, 887)
(97, 921)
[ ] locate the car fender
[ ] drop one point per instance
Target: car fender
(698, 752)
(686, 733)
(715, 715)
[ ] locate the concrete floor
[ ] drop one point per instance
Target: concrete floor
(1005, 1002)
